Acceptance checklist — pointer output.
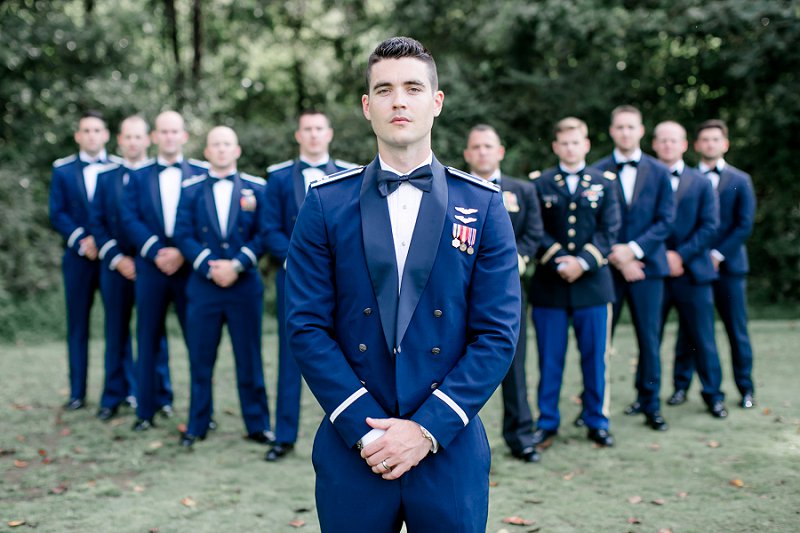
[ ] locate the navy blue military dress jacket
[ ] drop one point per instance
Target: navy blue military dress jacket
(519, 199)
(583, 224)
(432, 349)
(737, 208)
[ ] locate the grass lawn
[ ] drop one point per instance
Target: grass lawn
(69, 472)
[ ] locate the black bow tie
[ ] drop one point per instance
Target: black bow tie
(223, 178)
(621, 164)
(173, 165)
(97, 161)
(676, 173)
(715, 170)
(388, 182)
(304, 165)
(568, 173)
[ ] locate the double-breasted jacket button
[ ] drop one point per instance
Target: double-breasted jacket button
(368, 311)
(205, 229)
(434, 385)
(435, 350)
(437, 313)
(571, 232)
(362, 347)
(573, 206)
(571, 246)
(225, 245)
(572, 219)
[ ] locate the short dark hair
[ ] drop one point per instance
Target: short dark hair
(484, 128)
(398, 48)
(92, 113)
(312, 111)
(711, 124)
(625, 109)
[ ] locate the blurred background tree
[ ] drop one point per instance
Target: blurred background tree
(516, 64)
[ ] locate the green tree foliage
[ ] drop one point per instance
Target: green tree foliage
(516, 64)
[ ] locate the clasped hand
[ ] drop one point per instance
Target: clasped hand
(402, 447)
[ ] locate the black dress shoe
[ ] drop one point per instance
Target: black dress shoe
(748, 401)
(601, 436)
(656, 421)
(633, 409)
(528, 455)
(543, 436)
(718, 409)
(166, 411)
(74, 404)
(107, 413)
(188, 440)
(678, 397)
(579, 422)
(143, 425)
(262, 437)
(278, 450)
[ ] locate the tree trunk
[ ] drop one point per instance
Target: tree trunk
(197, 39)
(171, 19)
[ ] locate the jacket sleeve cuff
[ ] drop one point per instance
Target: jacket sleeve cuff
(73, 241)
(349, 417)
(200, 263)
(637, 250)
(442, 416)
(150, 248)
(716, 254)
(247, 257)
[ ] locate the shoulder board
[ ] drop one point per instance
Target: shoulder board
(473, 179)
(199, 163)
(145, 163)
(609, 175)
(536, 174)
(116, 159)
(337, 176)
(278, 166)
(108, 167)
(347, 165)
(252, 179)
(194, 180)
(64, 160)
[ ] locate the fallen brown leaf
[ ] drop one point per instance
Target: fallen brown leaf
(493, 483)
(42, 452)
(138, 488)
(229, 412)
(46, 461)
(738, 483)
(117, 422)
(21, 407)
(665, 530)
(576, 400)
(713, 444)
(569, 476)
(297, 523)
(91, 483)
(59, 489)
(182, 427)
(518, 521)
(19, 463)
(682, 494)
(153, 530)
(534, 501)
(21, 438)
(156, 444)
(188, 502)
(78, 449)
(659, 501)
(16, 523)
(635, 499)
(65, 432)
(766, 411)
(655, 447)
(633, 520)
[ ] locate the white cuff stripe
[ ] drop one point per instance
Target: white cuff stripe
(249, 253)
(347, 403)
(200, 258)
(452, 405)
(106, 247)
(148, 244)
(73, 237)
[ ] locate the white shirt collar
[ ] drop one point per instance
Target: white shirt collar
(163, 162)
(720, 165)
(86, 158)
(322, 161)
(427, 161)
(618, 157)
(578, 167)
(679, 166)
(213, 174)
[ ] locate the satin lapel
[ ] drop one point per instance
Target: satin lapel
(211, 207)
(424, 247)
(683, 185)
(724, 180)
(81, 183)
(118, 186)
(331, 168)
(155, 194)
(376, 230)
(642, 175)
(299, 184)
(233, 212)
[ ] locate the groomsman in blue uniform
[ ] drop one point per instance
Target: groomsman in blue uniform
(581, 216)
(737, 203)
(72, 191)
(149, 212)
(688, 287)
(403, 317)
(483, 154)
(220, 232)
(118, 272)
(287, 184)
(640, 256)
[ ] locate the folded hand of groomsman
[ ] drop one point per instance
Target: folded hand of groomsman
(675, 262)
(569, 268)
(169, 260)
(400, 449)
(127, 268)
(88, 248)
(223, 272)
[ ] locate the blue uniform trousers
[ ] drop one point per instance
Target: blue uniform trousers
(287, 409)
(446, 491)
(695, 306)
(591, 332)
(154, 292)
(81, 280)
(209, 308)
(645, 299)
(120, 381)
(731, 303)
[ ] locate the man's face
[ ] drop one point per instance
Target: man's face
(133, 139)
(571, 147)
(711, 144)
(222, 148)
(313, 134)
(401, 103)
(92, 135)
(484, 152)
(627, 131)
(670, 143)
(169, 134)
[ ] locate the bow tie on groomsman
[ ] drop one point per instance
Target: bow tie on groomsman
(421, 178)
(622, 164)
(715, 170)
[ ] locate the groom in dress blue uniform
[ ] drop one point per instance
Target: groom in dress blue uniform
(220, 231)
(118, 271)
(688, 287)
(640, 256)
(737, 204)
(403, 302)
(287, 184)
(149, 212)
(580, 212)
(72, 190)
(483, 154)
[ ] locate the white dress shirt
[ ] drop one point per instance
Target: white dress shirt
(310, 175)
(627, 176)
(572, 177)
(91, 170)
(169, 184)
(714, 177)
(675, 180)
(223, 190)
